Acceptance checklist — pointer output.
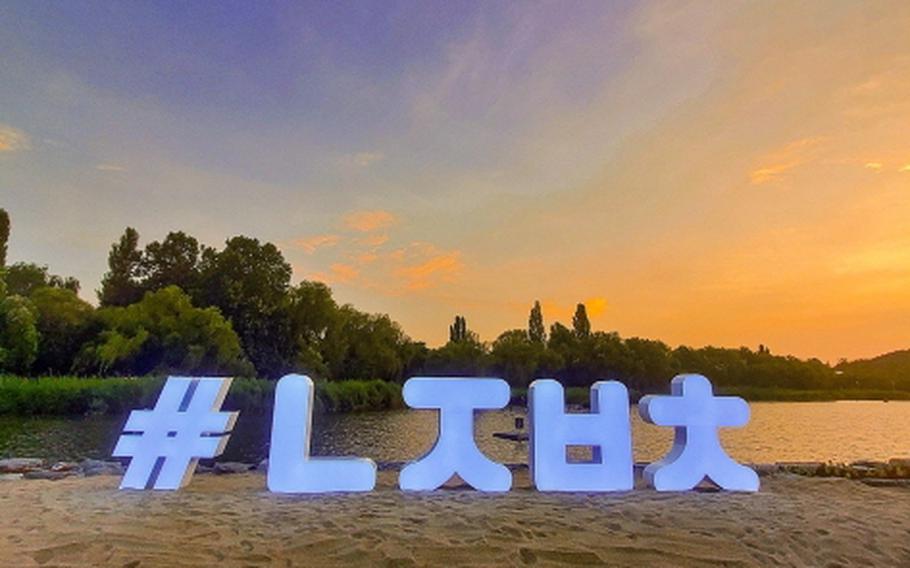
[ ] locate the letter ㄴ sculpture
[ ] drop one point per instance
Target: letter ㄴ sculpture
(455, 450)
(606, 428)
(291, 469)
(696, 414)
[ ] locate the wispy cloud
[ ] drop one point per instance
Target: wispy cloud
(338, 273)
(596, 306)
(425, 266)
(12, 139)
(906, 168)
(363, 159)
(778, 163)
(874, 166)
(110, 168)
(374, 240)
(367, 221)
(316, 242)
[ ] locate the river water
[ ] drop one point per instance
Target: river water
(779, 431)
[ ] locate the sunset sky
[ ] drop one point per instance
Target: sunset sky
(708, 173)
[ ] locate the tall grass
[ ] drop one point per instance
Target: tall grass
(117, 395)
(775, 394)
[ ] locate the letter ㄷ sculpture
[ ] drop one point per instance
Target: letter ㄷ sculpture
(455, 450)
(606, 428)
(696, 414)
(291, 469)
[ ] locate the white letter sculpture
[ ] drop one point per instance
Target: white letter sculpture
(696, 414)
(291, 469)
(165, 443)
(606, 428)
(455, 450)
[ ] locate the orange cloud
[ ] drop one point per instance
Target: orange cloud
(426, 266)
(875, 166)
(366, 257)
(783, 160)
(596, 306)
(906, 168)
(374, 240)
(12, 139)
(363, 159)
(367, 221)
(314, 243)
(556, 311)
(110, 168)
(338, 274)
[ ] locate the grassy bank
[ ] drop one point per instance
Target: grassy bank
(117, 395)
(580, 396)
(772, 394)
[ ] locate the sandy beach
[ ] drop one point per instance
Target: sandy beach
(231, 520)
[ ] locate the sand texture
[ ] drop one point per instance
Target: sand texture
(231, 520)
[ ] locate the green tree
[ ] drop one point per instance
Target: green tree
(536, 330)
(248, 282)
(64, 324)
(164, 333)
(23, 278)
(651, 365)
(120, 285)
(171, 262)
(515, 357)
(313, 313)
(4, 236)
(468, 357)
(458, 331)
(18, 333)
(580, 322)
(370, 346)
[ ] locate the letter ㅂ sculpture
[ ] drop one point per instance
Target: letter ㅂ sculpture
(606, 429)
(186, 424)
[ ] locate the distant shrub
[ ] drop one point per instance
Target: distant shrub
(118, 395)
(164, 331)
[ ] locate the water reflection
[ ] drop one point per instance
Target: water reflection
(838, 431)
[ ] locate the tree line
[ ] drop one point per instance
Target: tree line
(176, 305)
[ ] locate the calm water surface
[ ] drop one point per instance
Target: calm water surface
(778, 431)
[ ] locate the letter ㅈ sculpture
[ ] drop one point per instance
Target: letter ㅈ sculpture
(291, 469)
(606, 429)
(455, 450)
(186, 424)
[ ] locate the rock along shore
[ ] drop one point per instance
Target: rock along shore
(894, 472)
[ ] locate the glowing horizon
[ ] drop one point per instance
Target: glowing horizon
(734, 174)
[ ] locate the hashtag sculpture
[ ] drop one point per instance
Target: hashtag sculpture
(696, 413)
(165, 443)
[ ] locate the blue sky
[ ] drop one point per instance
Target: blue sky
(669, 164)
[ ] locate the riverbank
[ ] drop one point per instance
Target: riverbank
(71, 396)
(232, 520)
(67, 396)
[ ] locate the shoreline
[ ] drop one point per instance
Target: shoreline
(66, 396)
(233, 520)
(893, 472)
